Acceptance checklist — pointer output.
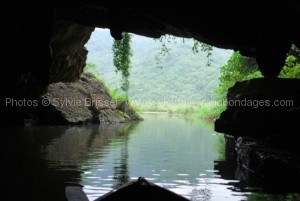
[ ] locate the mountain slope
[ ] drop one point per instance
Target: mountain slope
(183, 77)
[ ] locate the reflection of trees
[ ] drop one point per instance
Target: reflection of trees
(227, 163)
(121, 174)
(39, 162)
(219, 147)
(260, 190)
(269, 197)
(77, 143)
(30, 175)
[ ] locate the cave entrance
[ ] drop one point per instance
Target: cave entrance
(166, 75)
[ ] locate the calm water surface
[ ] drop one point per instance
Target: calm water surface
(183, 155)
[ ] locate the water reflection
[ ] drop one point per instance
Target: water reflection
(252, 185)
(121, 174)
(182, 155)
(172, 152)
(39, 162)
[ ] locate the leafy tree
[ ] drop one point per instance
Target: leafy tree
(291, 68)
(122, 59)
(292, 64)
(238, 68)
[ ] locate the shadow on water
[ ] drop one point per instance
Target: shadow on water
(39, 162)
(182, 155)
(254, 186)
(121, 173)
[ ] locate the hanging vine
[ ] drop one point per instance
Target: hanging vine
(165, 50)
(197, 46)
(122, 59)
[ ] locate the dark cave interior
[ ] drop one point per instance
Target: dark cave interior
(49, 47)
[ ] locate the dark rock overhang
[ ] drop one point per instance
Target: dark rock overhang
(242, 25)
(264, 29)
(48, 37)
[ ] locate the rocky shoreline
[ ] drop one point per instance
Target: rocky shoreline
(260, 129)
(80, 102)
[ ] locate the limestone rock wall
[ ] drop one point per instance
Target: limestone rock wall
(47, 41)
(261, 107)
(84, 101)
(69, 53)
(261, 123)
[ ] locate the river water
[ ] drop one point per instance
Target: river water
(180, 154)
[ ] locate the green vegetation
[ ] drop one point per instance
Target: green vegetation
(241, 68)
(207, 110)
(118, 97)
(123, 106)
(89, 68)
(292, 68)
(270, 197)
(172, 75)
(219, 147)
(114, 93)
(238, 68)
(183, 78)
(122, 60)
(167, 41)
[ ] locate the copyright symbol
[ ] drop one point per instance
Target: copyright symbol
(46, 102)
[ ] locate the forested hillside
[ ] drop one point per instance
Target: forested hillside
(181, 76)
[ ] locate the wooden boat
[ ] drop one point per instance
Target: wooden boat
(136, 190)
